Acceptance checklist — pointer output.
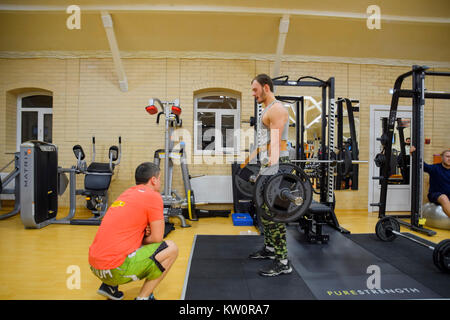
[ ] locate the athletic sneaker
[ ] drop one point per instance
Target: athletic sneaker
(110, 292)
(276, 269)
(151, 298)
(262, 254)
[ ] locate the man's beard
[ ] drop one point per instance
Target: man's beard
(262, 97)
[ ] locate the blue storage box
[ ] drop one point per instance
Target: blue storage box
(242, 219)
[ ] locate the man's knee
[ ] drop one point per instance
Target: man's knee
(172, 247)
(170, 250)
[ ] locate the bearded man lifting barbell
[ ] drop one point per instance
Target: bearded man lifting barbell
(274, 125)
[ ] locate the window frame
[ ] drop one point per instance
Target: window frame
(218, 150)
(40, 110)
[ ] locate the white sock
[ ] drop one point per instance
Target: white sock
(284, 261)
(142, 298)
(270, 249)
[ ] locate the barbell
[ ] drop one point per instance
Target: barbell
(329, 161)
(285, 190)
(244, 176)
(387, 229)
(287, 193)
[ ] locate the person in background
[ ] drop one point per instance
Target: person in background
(439, 192)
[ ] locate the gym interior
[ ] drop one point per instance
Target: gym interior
(90, 91)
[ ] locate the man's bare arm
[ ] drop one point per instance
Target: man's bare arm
(156, 232)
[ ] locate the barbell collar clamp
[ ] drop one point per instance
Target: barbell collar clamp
(285, 193)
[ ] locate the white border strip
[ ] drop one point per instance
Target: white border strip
(188, 269)
(224, 9)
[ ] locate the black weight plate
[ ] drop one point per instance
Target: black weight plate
(348, 165)
(284, 210)
(258, 197)
(241, 179)
(258, 191)
(441, 256)
(384, 227)
(436, 253)
(294, 169)
(261, 182)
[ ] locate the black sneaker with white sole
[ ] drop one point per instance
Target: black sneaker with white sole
(276, 268)
(150, 298)
(262, 254)
(110, 292)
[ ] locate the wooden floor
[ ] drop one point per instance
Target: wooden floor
(36, 264)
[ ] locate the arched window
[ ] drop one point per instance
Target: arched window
(216, 122)
(34, 117)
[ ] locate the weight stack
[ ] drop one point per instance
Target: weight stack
(38, 183)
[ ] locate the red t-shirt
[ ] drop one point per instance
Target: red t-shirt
(123, 226)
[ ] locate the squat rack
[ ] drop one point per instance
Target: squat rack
(418, 93)
(327, 170)
(327, 143)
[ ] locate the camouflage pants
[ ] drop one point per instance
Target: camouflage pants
(275, 232)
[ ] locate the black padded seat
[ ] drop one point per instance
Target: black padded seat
(99, 167)
(97, 182)
(318, 208)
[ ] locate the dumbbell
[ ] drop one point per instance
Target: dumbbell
(388, 228)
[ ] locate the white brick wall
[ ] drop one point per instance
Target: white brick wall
(87, 102)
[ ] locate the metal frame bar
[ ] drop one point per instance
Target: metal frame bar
(299, 133)
(428, 94)
(418, 95)
(15, 174)
(327, 170)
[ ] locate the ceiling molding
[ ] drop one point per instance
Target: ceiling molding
(282, 34)
(214, 55)
(224, 9)
(118, 65)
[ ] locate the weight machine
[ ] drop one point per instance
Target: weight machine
(172, 201)
(97, 178)
(348, 150)
(418, 93)
(14, 175)
(42, 181)
(321, 212)
(328, 126)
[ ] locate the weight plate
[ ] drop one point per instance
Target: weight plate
(283, 209)
(258, 192)
(261, 182)
(241, 179)
(384, 227)
(441, 256)
(258, 196)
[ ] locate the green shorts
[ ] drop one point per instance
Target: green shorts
(140, 264)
